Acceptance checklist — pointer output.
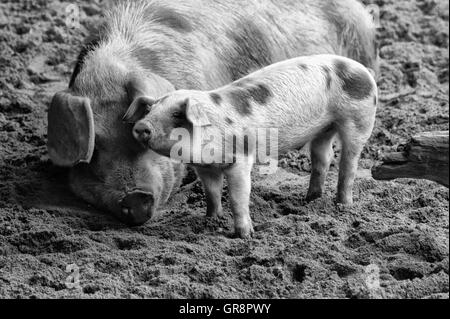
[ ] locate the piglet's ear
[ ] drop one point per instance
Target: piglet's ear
(139, 87)
(196, 114)
(138, 109)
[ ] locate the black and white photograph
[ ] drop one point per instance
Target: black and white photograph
(246, 150)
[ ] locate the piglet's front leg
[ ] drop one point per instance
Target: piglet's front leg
(239, 188)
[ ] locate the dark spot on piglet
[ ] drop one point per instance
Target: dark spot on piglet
(356, 83)
(241, 101)
(303, 67)
(244, 92)
(217, 99)
(229, 121)
(260, 93)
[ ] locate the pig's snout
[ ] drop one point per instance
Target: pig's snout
(142, 132)
(137, 208)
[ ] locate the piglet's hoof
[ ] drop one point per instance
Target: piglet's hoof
(312, 196)
(137, 208)
(344, 201)
(216, 214)
(244, 231)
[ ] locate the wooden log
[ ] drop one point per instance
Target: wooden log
(426, 157)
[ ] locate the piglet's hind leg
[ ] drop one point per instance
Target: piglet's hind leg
(321, 157)
(212, 180)
(353, 138)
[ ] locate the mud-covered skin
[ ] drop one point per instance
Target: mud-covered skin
(180, 44)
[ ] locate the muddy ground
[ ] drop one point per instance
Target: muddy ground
(394, 242)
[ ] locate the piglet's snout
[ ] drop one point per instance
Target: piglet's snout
(142, 132)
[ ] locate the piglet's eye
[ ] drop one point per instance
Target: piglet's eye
(178, 115)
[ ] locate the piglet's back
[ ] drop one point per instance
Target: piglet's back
(297, 91)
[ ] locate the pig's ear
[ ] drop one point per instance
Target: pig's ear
(138, 109)
(71, 133)
(195, 113)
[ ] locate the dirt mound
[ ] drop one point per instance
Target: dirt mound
(393, 243)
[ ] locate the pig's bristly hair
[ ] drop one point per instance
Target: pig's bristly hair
(131, 12)
(355, 31)
(145, 35)
(133, 21)
(111, 59)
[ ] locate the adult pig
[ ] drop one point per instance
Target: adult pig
(149, 48)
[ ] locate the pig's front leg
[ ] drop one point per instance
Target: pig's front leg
(212, 180)
(239, 188)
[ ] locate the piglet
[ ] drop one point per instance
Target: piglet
(302, 100)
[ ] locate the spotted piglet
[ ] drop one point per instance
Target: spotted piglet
(307, 99)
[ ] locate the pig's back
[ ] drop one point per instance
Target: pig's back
(203, 44)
